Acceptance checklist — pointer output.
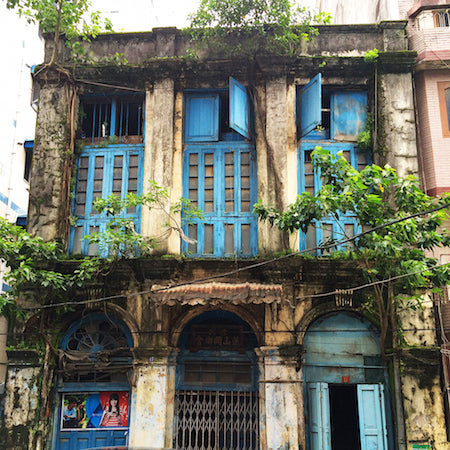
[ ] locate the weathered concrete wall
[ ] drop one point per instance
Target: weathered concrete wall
(45, 213)
(20, 405)
(159, 140)
(281, 389)
(163, 43)
(423, 398)
(273, 147)
(421, 385)
(149, 404)
(397, 111)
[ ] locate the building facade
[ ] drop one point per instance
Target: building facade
(214, 341)
(18, 119)
(429, 36)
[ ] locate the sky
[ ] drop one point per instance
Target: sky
(143, 15)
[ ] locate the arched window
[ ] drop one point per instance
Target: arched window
(216, 403)
(93, 392)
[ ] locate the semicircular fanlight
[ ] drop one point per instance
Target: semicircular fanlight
(96, 336)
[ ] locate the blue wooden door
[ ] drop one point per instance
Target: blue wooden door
(372, 417)
(78, 440)
(319, 416)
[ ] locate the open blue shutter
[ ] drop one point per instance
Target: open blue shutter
(348, 115)
(202, 117)
(319, 416)
(309, 105)
(372, 417)
(239, 109)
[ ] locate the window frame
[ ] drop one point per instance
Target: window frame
(219, 217)
(116, 115)
(344, 219)
(444, 110)
(204, 134)
(92, 219)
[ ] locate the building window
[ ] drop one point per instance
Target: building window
(93, 393)
(219, 172)
(444, 103)
(441, 18)
(117, 119)
(325, 113)
(331, 229)
(28, 147)
(111, 163)
(332, 118)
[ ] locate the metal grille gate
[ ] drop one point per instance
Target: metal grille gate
(216, 420)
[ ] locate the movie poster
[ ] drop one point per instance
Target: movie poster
(95, 410)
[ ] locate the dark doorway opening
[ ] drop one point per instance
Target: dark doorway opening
(344, 417)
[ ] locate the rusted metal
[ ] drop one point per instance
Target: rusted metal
(213, 420)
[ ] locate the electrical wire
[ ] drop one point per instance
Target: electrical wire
(260, 264)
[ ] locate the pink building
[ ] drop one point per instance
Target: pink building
(429, 35)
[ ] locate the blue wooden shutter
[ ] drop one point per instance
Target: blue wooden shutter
(372, 417)
(202, 117)
(319, 416)
(309, 105)
(348, 115)
(239, 109)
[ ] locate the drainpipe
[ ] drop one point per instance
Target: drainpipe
(399, 416)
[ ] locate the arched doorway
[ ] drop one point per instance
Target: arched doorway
(345, 385)
(216, 401)
(93, 394)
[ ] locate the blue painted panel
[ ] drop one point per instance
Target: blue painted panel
(346, 224)
(239, 109)
(219, 217)
(202, 117)
(372, 417)
(338, 345)
(318, 416)
(309, 105)
(91, 218)
(348, 115)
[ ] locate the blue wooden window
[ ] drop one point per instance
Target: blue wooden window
(28, 147)
(342, 114)
(218, 115)
(112, 118)
(348, 115)
(202, 117)
(310, 181)
(239, 109)
(220, 177)
(114, 169)
(309, 106)
(220, 180)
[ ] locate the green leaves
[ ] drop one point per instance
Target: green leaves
(271, 26)
(74, 23)
(120, 239)
(374, 196)
(33, 265)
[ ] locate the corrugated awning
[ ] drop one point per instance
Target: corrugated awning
(217, 293)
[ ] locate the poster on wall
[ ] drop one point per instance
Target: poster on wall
(94, 410)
